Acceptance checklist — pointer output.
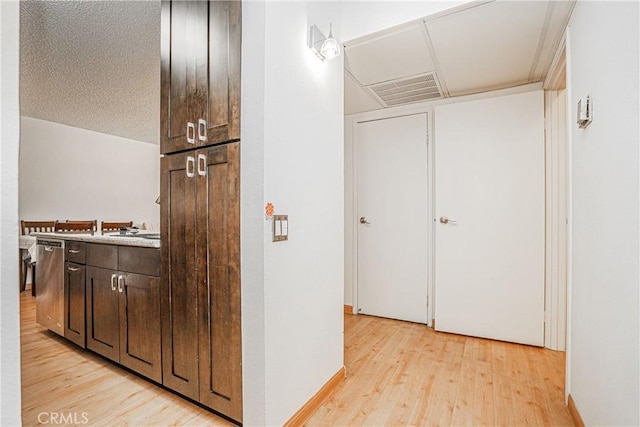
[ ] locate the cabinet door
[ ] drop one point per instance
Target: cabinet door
(178, 271)
(140, 324)
(222, 112)
(74, 303)
(183, 70)
(219, 289)
(103, 329)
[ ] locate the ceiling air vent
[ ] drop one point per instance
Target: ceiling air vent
(406, 91)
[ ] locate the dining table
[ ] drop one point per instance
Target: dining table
(26, 249)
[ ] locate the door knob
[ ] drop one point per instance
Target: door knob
(445, 220)
(363, 220)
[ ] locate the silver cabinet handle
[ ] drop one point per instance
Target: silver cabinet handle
(202, 164)
(191, 133)
(48, 248)
(120, 283)
(363, 220)
(113, 282)
(72, 269)
(202, 130)
(445, 220)
(74, 251)
(191, 171)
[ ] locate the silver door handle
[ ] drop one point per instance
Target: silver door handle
(202, 164)
(191, 171)
(445, 220)
(72, 269)
(113, 282)
(191, 133)
(120, 283)
(73, 251)
(202, 130)
(363, 220)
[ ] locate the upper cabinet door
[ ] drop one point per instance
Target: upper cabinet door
(183, 35)
(223, 106)
(200, 74)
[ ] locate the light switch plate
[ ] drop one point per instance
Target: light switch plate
(280, 228)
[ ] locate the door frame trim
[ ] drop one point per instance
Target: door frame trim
(557, 171)
(350, 135)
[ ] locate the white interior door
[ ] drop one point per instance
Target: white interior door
(392, 187)
(489, 269)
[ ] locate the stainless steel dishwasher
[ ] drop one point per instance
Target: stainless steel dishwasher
(50, 280)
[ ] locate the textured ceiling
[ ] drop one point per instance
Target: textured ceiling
(93, 65)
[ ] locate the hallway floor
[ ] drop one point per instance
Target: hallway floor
(401, 373)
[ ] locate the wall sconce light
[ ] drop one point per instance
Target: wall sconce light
(323, 47)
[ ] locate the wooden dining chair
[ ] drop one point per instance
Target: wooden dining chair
(28, 227)
(113, 226)
(89, 226)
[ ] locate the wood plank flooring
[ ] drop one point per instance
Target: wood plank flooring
(401, 374)
(61, 380)
(398, 374)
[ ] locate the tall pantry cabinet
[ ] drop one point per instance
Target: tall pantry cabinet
(200, 202)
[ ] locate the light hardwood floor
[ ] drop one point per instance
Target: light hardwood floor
(401, 374)
(61, 380)
(398, 374)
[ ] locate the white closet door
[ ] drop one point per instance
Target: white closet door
(489, 274)
(392, 223)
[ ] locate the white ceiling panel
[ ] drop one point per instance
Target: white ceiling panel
(390, 56)
(488, 47)
(356, 98)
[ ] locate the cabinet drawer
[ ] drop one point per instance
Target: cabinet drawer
(75, 251)
(133, 259)
(104, 256)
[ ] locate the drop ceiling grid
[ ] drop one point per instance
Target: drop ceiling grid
(487, 47)
(356, 98)
(396, 55)
(558, 18)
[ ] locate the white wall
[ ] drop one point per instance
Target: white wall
(73, 173)
(303, 178)
(10, 403)
(604, 353)
(252, 215)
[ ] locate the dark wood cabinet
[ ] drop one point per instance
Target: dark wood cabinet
(103, 325)
(123, 307)
(200, 74)
(74, 303)
(200, 206)
(218, 227)
(139, 314)
(200, 254)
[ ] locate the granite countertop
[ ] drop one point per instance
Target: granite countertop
(109, 239)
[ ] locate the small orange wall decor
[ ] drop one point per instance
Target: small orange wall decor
(268, 210)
